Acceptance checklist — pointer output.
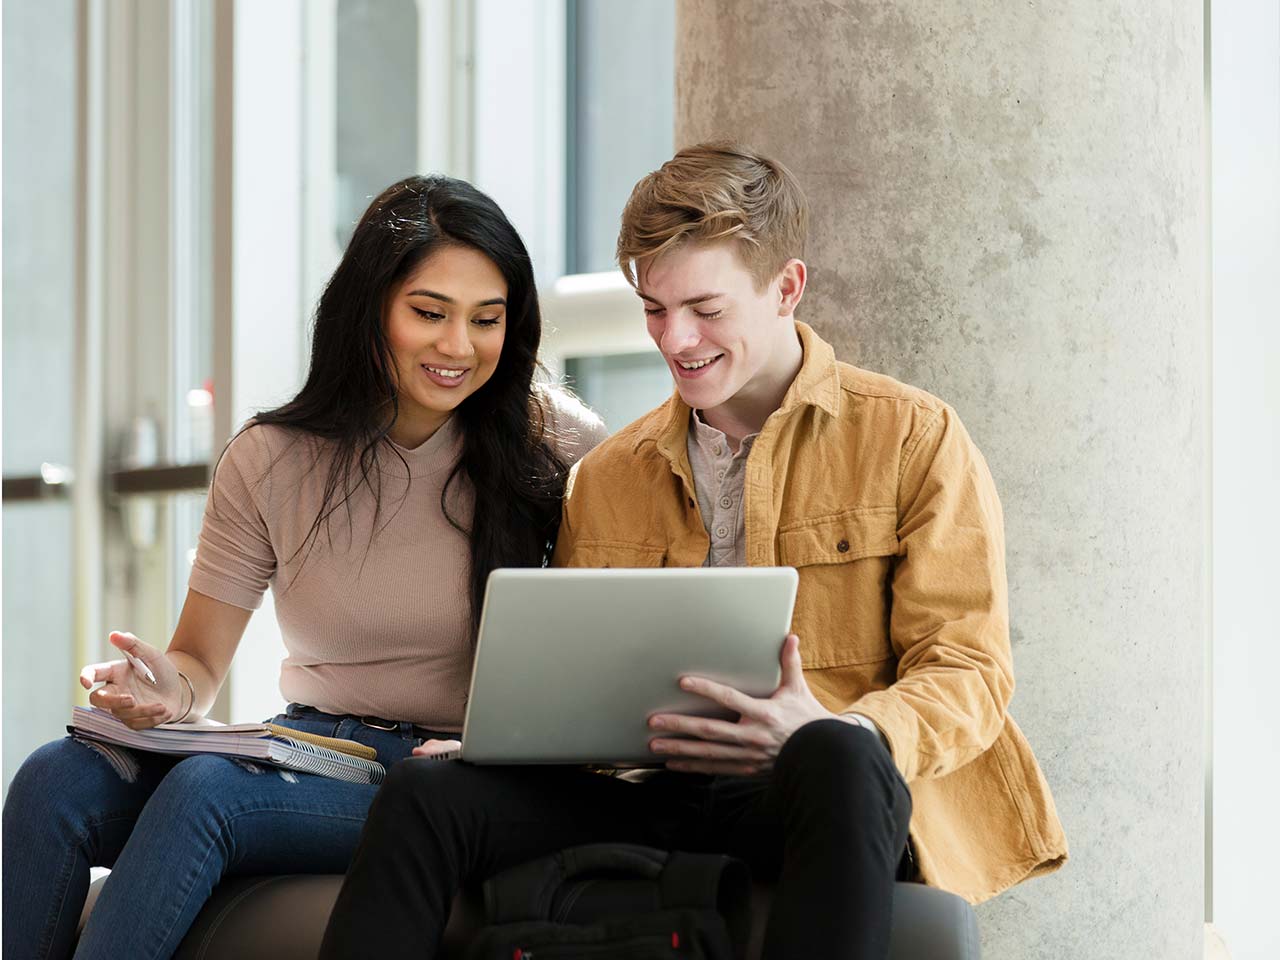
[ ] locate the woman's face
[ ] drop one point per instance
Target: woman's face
(446, 324)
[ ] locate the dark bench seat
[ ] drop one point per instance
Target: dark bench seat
(283, 918)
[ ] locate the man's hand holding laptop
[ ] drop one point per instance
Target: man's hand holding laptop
(749, 745)
(705, 745)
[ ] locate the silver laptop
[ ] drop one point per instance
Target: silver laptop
(570, 664)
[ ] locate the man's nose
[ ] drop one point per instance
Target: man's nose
(680, 334)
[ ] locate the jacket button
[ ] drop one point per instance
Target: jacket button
(843, 546)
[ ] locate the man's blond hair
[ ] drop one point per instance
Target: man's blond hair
(717, 191)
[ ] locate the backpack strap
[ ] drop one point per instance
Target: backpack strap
(527, 892)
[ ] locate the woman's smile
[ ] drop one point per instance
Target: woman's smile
(447, 377)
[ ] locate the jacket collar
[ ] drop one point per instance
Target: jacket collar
(816, 385)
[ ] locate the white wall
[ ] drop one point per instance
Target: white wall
(1245, 100)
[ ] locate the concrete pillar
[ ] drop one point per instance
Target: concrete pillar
(1008, 212)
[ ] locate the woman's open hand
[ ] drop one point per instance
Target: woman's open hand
(431, 748)
(127, 693)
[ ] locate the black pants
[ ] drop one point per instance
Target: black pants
(829, 823)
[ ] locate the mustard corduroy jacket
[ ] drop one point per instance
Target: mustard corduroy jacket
(875, 493)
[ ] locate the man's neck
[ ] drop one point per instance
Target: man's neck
(746, 411)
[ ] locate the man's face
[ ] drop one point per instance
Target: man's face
(717, 332)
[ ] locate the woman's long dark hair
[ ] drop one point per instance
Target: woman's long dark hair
(350, 397)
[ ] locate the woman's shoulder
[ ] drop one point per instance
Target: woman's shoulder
(573, 428)
(261, 448)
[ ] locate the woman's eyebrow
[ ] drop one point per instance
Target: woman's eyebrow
(491, 302)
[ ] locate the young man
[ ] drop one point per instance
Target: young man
(891, 719)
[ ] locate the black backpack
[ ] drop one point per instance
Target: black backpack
(617, 900)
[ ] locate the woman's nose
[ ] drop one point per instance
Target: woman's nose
(455, 340)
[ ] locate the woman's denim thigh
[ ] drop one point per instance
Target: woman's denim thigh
(211, 817)
(71, 806)
(176, 830)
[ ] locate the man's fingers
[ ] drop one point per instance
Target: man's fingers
(726, 696)
(717, 768)
(792, 665)
(707, 750)
(707, 728)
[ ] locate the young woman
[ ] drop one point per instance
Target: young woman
(418, 457)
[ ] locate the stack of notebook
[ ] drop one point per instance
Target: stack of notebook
(263, 742)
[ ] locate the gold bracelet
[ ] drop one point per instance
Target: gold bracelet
(190, 687)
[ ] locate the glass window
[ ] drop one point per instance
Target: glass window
(39, 655)
(191, 231)
(39, 233)
(149, 540)
(376, 109)
(620, 387)
(620, 117)
(40, 309)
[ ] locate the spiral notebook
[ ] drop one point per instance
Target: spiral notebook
(248, 741)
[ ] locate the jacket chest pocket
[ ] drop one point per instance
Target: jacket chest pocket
(612, 553)
(845, 561)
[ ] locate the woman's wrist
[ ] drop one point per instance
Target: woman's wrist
(184, 680)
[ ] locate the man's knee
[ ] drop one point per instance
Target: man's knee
(838, 759)
(422, 775)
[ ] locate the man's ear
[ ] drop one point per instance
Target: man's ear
(791, 283)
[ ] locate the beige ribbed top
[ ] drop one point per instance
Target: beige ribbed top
(375, 621)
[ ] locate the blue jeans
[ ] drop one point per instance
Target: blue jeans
(170, 830)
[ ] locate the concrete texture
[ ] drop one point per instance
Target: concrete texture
(1008, 212)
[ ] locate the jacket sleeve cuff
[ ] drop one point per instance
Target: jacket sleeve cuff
(896, 724)
(865, 721)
